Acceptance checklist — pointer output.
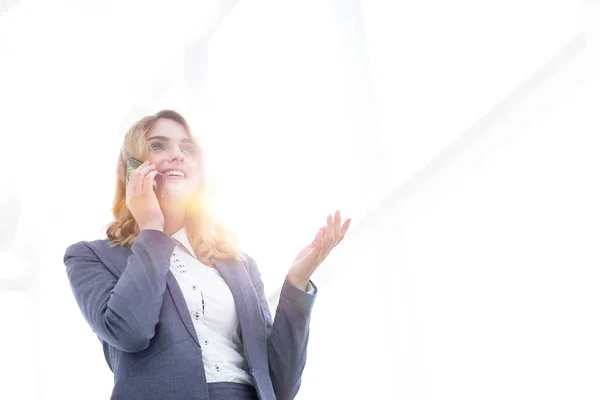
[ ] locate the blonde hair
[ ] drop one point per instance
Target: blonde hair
(207, 237)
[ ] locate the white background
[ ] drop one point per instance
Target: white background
(461, 137)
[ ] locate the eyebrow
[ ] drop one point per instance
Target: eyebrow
(166, 139)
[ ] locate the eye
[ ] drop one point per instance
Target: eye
(189, 150)
(157, 146)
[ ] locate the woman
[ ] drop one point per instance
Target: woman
(180, 312)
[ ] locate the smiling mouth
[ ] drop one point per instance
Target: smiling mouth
(172, 175)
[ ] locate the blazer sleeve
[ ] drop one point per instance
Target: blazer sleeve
(287, 334)
(122, 311)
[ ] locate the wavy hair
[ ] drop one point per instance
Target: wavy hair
(208, 238)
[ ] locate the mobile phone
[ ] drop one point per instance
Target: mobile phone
(132, 164)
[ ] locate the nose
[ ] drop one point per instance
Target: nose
(177, 154)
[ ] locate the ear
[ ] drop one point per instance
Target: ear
(121, 171)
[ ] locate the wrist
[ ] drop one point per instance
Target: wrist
(155, 226)
(298, 282)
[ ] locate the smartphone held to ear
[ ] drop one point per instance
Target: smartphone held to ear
(132, 164)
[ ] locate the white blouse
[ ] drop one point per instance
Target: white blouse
(213, 312)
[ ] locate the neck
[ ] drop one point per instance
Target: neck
(174, 214)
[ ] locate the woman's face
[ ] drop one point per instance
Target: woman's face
(176, 156)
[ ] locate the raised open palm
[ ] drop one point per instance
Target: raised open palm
(312, 256)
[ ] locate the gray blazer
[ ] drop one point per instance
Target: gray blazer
(134, 305)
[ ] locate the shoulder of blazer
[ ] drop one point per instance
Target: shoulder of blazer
(113, 258)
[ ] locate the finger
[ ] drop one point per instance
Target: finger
(149, 182)
(134, 183)
(345, 228)
(336, 226)
(143, 170)
(329, 237)
(140, 175)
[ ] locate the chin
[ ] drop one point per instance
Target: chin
(177, 192)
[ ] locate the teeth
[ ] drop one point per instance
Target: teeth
(177, 173)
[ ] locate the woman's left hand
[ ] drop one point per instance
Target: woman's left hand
(313, 255)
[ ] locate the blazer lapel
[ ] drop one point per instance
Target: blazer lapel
(254, 334)
(246, 301)
(182, 309)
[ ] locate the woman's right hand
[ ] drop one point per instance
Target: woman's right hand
(141, 199)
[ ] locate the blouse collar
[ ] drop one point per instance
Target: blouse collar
(181, 237)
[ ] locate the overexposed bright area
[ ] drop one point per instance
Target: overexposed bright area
(461, 137)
